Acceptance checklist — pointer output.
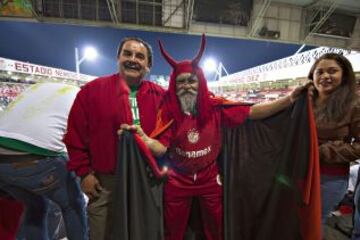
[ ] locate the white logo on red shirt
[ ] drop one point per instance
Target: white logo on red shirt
(193, 135)
(193, 154)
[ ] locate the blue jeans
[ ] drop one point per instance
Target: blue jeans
(38, 182)
(333, 190)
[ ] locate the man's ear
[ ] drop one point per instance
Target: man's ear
(147, 69)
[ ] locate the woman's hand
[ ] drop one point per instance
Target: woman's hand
(295, 94)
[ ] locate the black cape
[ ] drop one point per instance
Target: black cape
(266, 166)
(137, 197)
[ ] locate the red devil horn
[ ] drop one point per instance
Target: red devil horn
(169, 59)
(196, 60)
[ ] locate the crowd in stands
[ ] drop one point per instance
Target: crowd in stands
(9, 91)
(259, 95)
(255, 95)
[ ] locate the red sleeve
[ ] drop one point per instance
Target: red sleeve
(77, 137)
(165, 137)
(234, 115)
(163, 128)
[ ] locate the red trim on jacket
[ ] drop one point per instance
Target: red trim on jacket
(310, 213)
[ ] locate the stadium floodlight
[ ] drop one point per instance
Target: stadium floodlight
(210, 65)
(90, 53)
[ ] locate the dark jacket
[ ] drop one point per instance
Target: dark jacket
(339, 142)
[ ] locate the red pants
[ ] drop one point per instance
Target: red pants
(10, 216)
(178, 193)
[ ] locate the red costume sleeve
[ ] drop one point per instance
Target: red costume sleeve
(76, 138)
(165, 137)
(163, 130)
(232, 113)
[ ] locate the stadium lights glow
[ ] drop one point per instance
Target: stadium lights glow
(90, 53)
(210, 65)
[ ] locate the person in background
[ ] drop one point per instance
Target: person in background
(99, 109)
(33, 159)
(356, 212)
(353, 176)
(337, 116)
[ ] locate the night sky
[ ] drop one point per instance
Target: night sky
(53, 45)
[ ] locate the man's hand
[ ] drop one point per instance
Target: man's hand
(133, 128)
(164, 171)
(90, 185)
(155, 146)
(295, 94)
(311, 90)
(126, 127)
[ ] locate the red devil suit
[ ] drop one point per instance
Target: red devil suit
(194, 143)
(271, 166)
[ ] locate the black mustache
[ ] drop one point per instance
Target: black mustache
(132, 65)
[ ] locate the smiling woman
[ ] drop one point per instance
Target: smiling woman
(328, 76)
(337, 115)
(335, 85)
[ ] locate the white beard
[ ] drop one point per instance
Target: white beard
(187, 102)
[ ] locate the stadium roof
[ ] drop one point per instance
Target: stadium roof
(314, 22)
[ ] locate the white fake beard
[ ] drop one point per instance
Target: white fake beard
(187, 101)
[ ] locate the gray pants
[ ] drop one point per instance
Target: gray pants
(100, 209)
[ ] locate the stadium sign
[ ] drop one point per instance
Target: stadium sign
(28, 68)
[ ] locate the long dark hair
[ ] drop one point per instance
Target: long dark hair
(341, 99)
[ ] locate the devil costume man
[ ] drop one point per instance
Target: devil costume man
(194, 143)
(269, 187)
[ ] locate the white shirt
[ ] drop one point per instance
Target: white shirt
(39, 115)
(353, 175)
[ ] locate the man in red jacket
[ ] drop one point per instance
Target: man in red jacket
(99, 109)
